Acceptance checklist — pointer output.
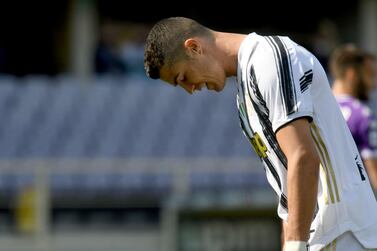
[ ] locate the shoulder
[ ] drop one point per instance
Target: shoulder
(280, 52)
(263, 48)
(271, 58)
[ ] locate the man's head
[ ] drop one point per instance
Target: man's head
(354, 68)
(180, 51)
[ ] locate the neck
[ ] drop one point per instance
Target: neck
(341, 88)
(227, 46)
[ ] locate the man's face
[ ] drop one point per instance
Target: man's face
(195, 73)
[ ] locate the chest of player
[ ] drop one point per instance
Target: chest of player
(251, 126)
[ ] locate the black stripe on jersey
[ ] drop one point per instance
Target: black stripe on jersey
(263, 113)
(273, 143)
(288, 82)
(278, 67)
(273, 171)
(306, 74)
(287, 86)
(284, 201)
(271, 168)
(306, 80)
(266, 160)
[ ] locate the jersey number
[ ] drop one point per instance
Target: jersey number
(259, 147)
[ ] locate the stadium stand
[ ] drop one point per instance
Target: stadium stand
(135, 118)
(118, 118)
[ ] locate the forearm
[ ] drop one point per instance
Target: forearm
(302, 196)
(282, 236)
(371, 166)
(302, 181)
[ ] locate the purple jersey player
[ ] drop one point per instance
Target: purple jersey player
(361, 123)
(354, 75)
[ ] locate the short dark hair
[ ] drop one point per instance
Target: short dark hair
(164, 44)
(345, 57)
(350, 57)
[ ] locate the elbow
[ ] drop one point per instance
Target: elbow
(310, 159)
(305, 161)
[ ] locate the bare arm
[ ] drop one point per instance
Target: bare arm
(283, 227)
(303, 173)
(371, 166)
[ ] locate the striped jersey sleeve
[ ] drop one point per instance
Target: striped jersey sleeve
(284, 73)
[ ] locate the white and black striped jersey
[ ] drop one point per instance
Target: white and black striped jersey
(278, 82)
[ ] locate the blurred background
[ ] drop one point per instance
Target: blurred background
(95, 156)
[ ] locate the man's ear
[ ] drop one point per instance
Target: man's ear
(193, 46)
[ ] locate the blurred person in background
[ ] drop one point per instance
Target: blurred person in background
(354, 76)
(291, 118)
(325, 41)
(132, 48)
(107, 56)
